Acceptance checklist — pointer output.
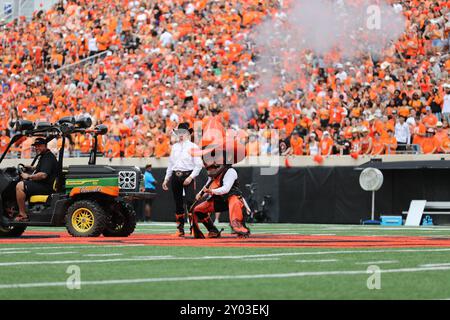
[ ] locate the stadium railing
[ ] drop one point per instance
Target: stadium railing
(84, 61)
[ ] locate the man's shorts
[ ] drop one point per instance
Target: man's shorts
(35, 188)
(149, 201)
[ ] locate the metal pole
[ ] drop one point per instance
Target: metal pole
(373, 205)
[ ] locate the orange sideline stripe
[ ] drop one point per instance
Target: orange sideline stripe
(257, 241)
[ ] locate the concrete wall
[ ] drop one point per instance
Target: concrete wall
(264, 162)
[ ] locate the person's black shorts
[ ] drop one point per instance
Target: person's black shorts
(149, 201)
(35, 188)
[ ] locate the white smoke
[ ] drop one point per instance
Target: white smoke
(354, 28)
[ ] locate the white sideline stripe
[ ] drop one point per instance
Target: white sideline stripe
(150, 258)
(261, 259)
(316, 261)
(24, 263)
(443, 264)
(54, 253)
(322, 234)
(102, 254)
(81, 246)
(11, 252)
(155, 257)
(377, 262)
(156, 224)
(218, 277)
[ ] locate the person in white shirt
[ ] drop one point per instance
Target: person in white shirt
(446, 105)
(183, 168)
(402, 132)
(92, 45)
(166, 38)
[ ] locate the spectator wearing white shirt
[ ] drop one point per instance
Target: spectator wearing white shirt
(128, 121)
(402, 132)
(183, 168)
(92, 45)
(446, 105)
(166, 38)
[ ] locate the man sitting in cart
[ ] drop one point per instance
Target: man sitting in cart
(40, 182)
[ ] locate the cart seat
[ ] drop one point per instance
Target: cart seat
(39, 198)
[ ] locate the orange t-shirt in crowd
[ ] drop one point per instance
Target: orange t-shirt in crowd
(130, 148)
(85, 144)
(162, 148)
(4, 141)
(445, 145)
(356, 146)
(377, 147)
(112, 149)
(391, 145)
(429, 145)
(326, 145)
(440, 136)
(365, 145)
(297, 146)
(430, 120)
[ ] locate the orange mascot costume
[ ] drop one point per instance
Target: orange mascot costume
(219, 152)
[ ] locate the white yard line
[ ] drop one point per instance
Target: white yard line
(317, 261)
(261, 259)
(102, 255)
(376, 262)
(15, 252)
(81, 246)
(443, 264)
(153, 258)
(54, 253)
(218, 277)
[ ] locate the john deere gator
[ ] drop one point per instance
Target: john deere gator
(89, 200)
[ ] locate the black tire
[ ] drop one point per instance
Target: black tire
(122, 222)
(11, 232)
(95, 216)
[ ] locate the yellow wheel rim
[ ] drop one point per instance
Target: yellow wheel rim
(83, 220)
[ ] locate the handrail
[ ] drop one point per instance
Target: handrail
(78, 62)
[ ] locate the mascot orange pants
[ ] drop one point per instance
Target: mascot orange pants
(201, 213)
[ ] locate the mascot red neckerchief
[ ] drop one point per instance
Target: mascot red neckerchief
(219, 151)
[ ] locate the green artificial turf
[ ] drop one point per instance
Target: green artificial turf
(266, 273)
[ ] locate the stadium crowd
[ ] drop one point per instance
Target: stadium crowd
(142, 67)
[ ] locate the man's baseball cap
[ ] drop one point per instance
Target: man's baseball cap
(39, 141)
